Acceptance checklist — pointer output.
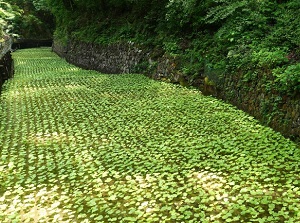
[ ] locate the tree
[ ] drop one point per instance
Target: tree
(7, 14)
(27, 18)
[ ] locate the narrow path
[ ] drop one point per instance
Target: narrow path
(80, 146)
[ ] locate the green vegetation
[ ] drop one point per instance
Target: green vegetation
(80, 146)
(250, 36)
(6, 15)
(29, 19)
(256, 38)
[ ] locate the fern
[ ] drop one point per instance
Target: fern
(223, 10)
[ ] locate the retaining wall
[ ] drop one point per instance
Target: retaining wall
(117, 58)
(6, 61)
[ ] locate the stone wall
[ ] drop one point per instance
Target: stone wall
(280, 112)
(6, 62)
(117, 58)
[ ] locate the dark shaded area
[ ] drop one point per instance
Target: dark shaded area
(6, 68)
(6, 61)
(31, 43)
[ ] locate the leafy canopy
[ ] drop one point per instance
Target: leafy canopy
(7, 14)
(26, 18)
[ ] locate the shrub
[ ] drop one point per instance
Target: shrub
(288, 79)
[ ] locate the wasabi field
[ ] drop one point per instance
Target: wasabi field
(82, 146)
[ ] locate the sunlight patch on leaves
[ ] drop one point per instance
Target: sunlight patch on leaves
(80, 146)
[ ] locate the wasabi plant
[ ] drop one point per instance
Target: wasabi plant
(81, 146)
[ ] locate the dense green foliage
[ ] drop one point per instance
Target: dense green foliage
(250, 36)
(80, 146)
(7, 14)
(29, 19)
